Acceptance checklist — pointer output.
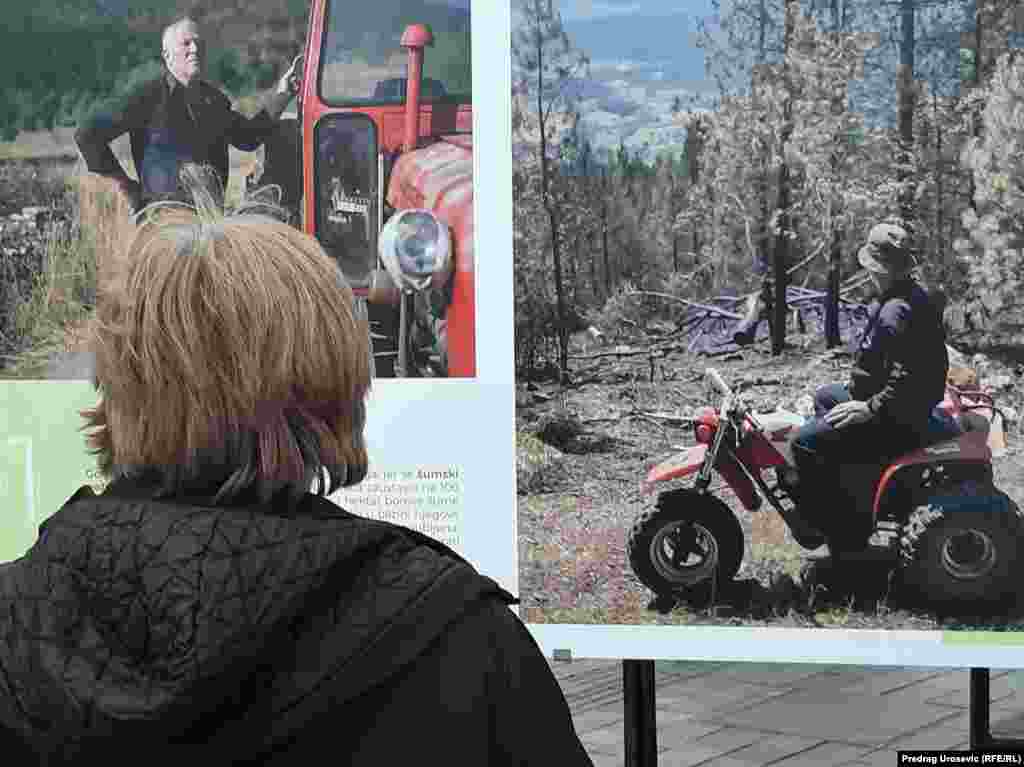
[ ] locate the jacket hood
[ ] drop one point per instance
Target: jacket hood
(134, 617)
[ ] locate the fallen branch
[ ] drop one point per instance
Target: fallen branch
(631, 353)
(705, 307)
(807, 260)
(669, 418)
(763, 382)
(696, 338)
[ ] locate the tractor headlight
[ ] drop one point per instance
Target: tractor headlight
(415, 248)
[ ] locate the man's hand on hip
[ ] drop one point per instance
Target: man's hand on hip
(848, 413)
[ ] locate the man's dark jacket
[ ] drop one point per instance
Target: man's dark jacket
(901, 364)
(137, 631)
(170, 125)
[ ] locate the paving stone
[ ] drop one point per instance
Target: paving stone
(768, 750)
(1007, 722)
(606, 760)
(712, 746)
(886, 683)
(888, 757)
(773, 674)
(940, 736)
(683, 733)
(875, 759)
(1000, 692)
(855, 720)
(598, 719)
(741, 715)
(1010, 726)
(713, 695)
(834, 677)
(825, 754)
(606, 741)
(674, 728)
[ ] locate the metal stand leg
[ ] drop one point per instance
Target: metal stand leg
(981, 723)
(980, 701)
(641, 724)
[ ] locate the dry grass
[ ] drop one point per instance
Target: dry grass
(104, 225)
(81, 260)
(36, 144)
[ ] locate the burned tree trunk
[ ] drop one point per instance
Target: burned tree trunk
(780, 257)
(905, 97)
(832, 337)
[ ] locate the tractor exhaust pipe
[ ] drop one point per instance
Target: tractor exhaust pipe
(415, 38)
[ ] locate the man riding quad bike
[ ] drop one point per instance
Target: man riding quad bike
(882, 460)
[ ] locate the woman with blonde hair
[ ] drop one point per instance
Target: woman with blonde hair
(211, 604)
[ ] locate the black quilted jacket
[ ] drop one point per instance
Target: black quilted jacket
(150, 633)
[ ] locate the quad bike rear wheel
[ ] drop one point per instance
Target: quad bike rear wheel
(960, 552)
(686, 545)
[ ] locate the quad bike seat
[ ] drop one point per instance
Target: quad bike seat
(941, 427)
(859, 481)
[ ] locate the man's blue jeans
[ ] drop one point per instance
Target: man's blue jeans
(840, 467)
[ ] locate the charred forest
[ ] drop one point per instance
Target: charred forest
(829, 117)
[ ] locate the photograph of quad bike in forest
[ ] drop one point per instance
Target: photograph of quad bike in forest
(769, 324)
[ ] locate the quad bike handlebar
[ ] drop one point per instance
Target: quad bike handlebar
(732, 401)
(718, 381)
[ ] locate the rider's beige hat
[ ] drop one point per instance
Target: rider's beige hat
(887, 250)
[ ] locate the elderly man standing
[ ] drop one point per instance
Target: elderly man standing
(175, 119)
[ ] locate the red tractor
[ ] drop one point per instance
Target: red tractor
(377, 164)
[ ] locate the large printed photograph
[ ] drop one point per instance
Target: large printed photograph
(368, 145)
(769, 333)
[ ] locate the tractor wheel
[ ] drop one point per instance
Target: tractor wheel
(687, 546)
(960, 551)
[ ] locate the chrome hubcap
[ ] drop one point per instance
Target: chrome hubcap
(968, 554)
(684, 553)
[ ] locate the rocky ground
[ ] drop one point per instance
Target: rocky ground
(578, 500)
(36, 212)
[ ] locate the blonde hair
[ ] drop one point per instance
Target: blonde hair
(229, 356)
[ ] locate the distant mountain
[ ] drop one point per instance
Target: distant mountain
(652, 40)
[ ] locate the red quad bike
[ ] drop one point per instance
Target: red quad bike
(934, 518)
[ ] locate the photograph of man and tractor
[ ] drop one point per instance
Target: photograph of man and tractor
(769, 314)
(359, 119)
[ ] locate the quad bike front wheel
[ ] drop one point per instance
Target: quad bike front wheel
(685, 545)
(961, 550)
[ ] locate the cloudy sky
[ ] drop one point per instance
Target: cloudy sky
(650, 42)
(642, 58)
(581, 9)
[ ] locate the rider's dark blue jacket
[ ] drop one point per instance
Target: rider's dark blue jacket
(901, 363)
(170, 125)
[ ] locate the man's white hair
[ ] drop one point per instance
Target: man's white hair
(172, 28)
